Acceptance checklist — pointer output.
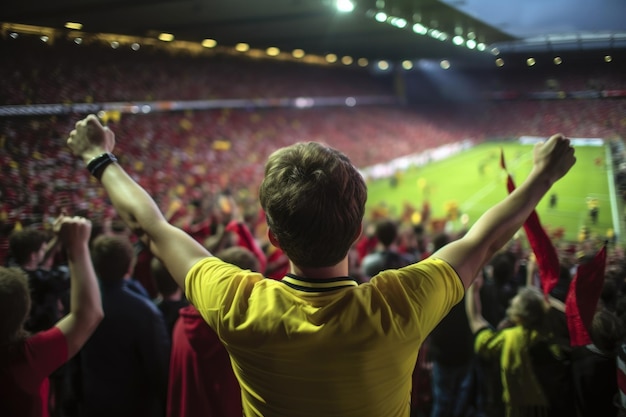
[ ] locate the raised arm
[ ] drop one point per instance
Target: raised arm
(552, 160)
(85, 304)
(176, 249)
(473, 306)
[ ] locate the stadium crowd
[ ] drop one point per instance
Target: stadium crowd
(204, 169)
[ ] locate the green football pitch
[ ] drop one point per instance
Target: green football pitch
(474, 181)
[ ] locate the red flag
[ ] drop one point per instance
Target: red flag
(545, 252)
(582, 298)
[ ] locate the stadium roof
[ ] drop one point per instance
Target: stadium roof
(374, 29)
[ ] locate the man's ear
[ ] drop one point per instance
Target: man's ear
(273, 239)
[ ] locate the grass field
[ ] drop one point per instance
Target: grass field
(474, 181)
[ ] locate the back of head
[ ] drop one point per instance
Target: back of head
(239, 256)
(386, 232)
(22, 243)
(503, 264)
(440, 240)
(314, 202)
(528, 308)
(14, 303)
(112, 257)
(607, 331)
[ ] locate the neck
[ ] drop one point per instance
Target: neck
(321, 273)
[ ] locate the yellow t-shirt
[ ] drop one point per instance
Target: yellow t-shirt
(332, 348)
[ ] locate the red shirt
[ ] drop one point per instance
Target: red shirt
(24, 370)
(201, 379)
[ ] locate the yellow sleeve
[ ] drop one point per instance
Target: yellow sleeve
(212, 286)
(488, 343)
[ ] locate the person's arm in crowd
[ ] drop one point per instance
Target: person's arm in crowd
(85, 303)
(552, 160)
(176, 249)
(473, 306)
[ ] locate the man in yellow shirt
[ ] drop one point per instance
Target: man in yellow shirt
(316, 343)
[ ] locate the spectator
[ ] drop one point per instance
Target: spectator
(451, 351)
(316, 342)
(386, 256)
(27, 360)
(202, 382)
(124, 365)
(594, 367)
(171, 298)
(518, 349)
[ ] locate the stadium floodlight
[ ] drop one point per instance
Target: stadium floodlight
(420, 29)
(331, 58)
(407, 65)
(608, 58)
(531, 61)
(347, 60)
(481, 46)
(272, 51)
(558, 60)
(166, 37)
(242, 47)
(74, 25)
(135, 46)
(344, 6)
(471, 44)
(381, 17)
(445, 64)
(297, 53)
(500, 62)
(383, 65)
(209, 43)
(362, 62)
(458, 40)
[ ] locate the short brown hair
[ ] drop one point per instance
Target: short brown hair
(22, 243)
(530, 310)
(112, 257)
(314, 202)
(14, 302)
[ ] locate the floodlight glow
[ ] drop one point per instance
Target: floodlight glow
(557, 60)
(272, 51)
(443, 36)
(420, 29)
(14, 35)
(78, 41)
(495, 51)
(458, 40)
(44, 38)
(344, 6)
(297, 53)
(115, 44)
(383, 65)
(135, 46)
(347, 60)
(362, 62)
(471, 43)
(608, 58)
(500, 62)
(530, 61)
(350, 101)
(166, 37)
(407, 65)
(481, 46)
(242, 47)
(399, 22)
(434, 33)
(209, 43)
(381, 17)
(445, 64)
(471, 35)
(331, 58)
(74, 25)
